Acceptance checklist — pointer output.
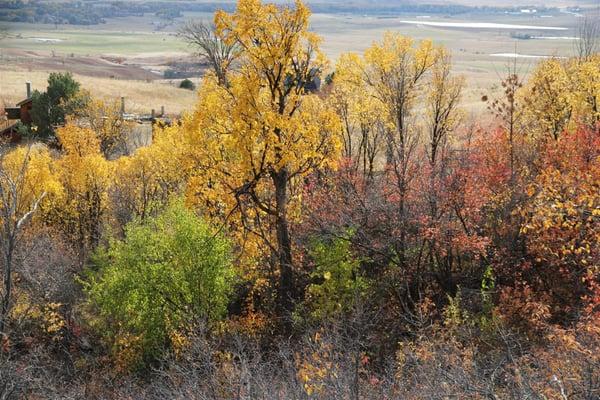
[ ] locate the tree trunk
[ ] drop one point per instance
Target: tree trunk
(7, 286)
(284, 245)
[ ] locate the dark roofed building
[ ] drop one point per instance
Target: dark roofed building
(24, 107)
(13, 115)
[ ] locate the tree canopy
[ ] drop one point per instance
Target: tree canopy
(61, 98)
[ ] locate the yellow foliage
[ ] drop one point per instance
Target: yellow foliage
(557, 208)
(179, 342)
(44, 316)
(263, 124)
(85, 176)
(394, 70)
(377, 96)
(105, 119)
(35, 165)
(77, 141)
(363, 117)
(53, 321)
(314, 368)
(146, 179)
(562, 94)
(128, 350)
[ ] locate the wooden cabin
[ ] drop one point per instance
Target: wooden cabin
(10, 118)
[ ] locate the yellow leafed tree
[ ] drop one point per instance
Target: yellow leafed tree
(562, 94)
(255, 137)
(85, 176)
(25, 180)
(442, 105)
(145, 181)
(395, 72)
(396, 75)
(548, 101)
(35, 165)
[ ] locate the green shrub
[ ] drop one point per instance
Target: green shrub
(167, 275)
(339, 284)
(187, 84)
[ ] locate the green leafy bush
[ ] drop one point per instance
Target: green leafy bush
(187, 84)
(167, 275)
(339, 283)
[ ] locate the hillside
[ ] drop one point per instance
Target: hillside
(329, 206)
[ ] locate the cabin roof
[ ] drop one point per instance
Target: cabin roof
(25, 101)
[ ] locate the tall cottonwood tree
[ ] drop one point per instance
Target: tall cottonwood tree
(395, 73)
(442, 104)
(85, 176)
(256, 137)
(145, 181)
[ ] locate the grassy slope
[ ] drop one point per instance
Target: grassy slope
(141, 96)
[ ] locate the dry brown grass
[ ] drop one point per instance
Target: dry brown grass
(141, 96)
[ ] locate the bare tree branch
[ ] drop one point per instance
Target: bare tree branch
(208, 44)
(12, 221)
(588, 36)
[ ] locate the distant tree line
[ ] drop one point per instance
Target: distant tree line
(95, 12)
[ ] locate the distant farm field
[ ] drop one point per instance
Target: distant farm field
(128, 56)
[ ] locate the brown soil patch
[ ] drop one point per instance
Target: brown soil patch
(101, 67)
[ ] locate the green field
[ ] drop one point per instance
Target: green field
(91, 41)
(135, 35)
